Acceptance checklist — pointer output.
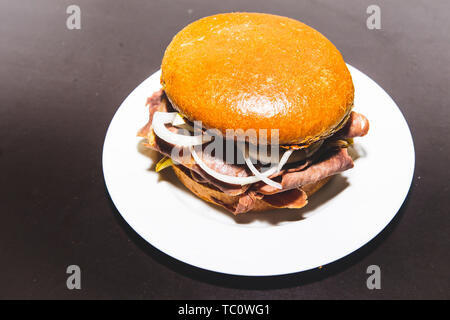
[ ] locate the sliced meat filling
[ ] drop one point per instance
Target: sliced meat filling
(357, 126)
(294, 198)
(328, 161)
(332, 162)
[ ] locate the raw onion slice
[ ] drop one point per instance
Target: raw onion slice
(258, 174)
(284, 159)
(230, 179)
(160, 119)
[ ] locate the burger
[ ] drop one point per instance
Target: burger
(255, 111)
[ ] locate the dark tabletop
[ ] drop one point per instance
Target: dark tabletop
(59, 89)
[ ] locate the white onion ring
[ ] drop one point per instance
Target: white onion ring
(284, 159)
(258, 174)
(230, 179)
(160, 119)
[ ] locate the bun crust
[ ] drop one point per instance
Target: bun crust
(258, 71)
(208, 194)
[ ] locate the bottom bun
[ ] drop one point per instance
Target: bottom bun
(219, 198)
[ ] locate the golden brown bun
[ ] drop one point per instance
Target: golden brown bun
(207, 194)
(258, 71)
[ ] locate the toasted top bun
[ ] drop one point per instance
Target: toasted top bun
(258, 71)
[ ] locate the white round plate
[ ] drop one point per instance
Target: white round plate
(343, 216)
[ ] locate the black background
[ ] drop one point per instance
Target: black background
(59, 89)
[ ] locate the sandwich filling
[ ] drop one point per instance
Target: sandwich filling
(281, 185)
